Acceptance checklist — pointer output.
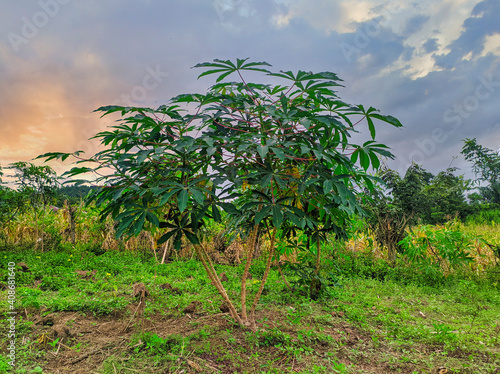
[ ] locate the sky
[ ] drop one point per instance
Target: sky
(432, 64)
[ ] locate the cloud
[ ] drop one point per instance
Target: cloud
(415, 24)
(482, 24)
(431, 45)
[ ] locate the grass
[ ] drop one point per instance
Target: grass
(376, 320)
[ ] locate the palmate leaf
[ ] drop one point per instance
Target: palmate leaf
(227, 67)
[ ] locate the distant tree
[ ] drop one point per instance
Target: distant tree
(73, 193)
(387, 220)
(446, 197)
(39, 183)
(486, 166)
(426, 197)
(408, 191)
(12, 202)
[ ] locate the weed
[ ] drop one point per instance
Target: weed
(444, 333)
(153, 344)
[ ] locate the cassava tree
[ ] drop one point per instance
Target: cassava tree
(265, 153)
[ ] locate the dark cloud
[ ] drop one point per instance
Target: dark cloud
(415, 24)
(374, 50)
(483, 22)
(431, 45)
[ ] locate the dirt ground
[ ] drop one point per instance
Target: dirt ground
(103, 337)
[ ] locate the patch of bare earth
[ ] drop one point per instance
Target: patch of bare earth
(101, 338)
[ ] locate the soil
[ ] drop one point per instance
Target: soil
(102, 337)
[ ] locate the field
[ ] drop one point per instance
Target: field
(77, 313)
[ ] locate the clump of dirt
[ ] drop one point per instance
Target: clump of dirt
(61, 332)
(139, 290)
(24, 268)
(168, 286)
(86, 274)
(191, 308)
(224, 308)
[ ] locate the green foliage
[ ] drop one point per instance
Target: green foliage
(154, 344)
(73, 193)
(309, 280)
(434, 250)
(486, 166)
(269, 338)
(4, 364)
(384, 320)
(444, 333)
(388, 221)
(485, 216)
(40, 182)
(12, 203)
(427, 197)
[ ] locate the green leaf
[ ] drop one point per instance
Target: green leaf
(153, 219)
(374, 159)
(198, 196)
(191, 237)
(262, 150)
(166, 236)
(355, 155)
(139, 224)
(327, 186)
(371, 126)
(296, 220)
(167, 196)
(364, 160)
(279, 153)
(264, 182)
(389, 119)
(277, 216)
(262, 214)
(216, 214)
(182, 200)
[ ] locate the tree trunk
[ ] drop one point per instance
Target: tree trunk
(391, 253)
(264, 278)
(72, 223)
(250, 246)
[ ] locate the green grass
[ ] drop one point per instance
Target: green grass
(375, 318)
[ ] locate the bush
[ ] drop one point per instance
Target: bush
(485, 217)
